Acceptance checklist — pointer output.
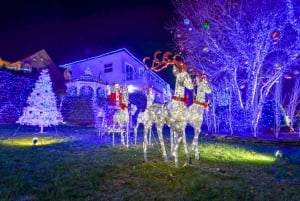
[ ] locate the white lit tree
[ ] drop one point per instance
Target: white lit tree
(252, 44)
(41, 110)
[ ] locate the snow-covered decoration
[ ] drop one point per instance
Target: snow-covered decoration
(171, 113)
(41, 110)
(251, 43)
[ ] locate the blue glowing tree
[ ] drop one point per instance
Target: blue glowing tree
(41, 110)
(249, 45)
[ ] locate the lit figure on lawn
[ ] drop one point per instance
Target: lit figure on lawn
(144, 117)
(194, 113)
(119, 100)
(171, 113)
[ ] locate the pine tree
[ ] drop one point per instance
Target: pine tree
(41, 110)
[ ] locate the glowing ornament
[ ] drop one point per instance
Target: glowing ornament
(287, 76)
(186, 21)
(190, 29)
(205, 49)
(246, 62)
(275, 35)
(206, 25)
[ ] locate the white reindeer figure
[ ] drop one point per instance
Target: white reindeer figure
(171, 113)
(143, 117)
(194, 113)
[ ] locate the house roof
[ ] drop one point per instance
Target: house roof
(102, 55)
(110, 53)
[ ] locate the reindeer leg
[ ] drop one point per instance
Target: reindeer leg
(135, 132)
(161, 140)
(150, 134)
(127, 134)
(184, 142)
(172, 140)
(195, 143)
(176, 146)
(145, 143)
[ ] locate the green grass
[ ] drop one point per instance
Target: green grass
(73, 169)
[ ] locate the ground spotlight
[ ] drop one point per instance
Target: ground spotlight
(35, 140)
(278, 154)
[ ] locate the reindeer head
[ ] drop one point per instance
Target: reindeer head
(169, 59)
(166, 61)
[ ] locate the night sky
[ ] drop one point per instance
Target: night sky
(70, 30)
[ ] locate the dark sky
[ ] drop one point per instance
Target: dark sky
(70, 30)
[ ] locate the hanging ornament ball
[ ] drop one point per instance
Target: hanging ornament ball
(205, 49)
(190, 29)
(275, 35)
(186, 21)
(206, 25)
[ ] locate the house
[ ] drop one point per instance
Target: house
(122, 67)
(31, 65)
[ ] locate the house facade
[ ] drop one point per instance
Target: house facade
(122, 67)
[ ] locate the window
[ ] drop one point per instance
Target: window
(141, 72)
(108, 68)
(129, 71)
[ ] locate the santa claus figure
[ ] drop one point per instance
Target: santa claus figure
(114, 97)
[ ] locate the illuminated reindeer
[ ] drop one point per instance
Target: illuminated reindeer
(194, 113)
(143, 117)
(171, 113)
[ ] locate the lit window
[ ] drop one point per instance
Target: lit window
(108, 68)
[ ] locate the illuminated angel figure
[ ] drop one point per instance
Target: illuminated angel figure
(171, 113)
(194, 113)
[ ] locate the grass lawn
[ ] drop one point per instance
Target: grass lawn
(73, 163)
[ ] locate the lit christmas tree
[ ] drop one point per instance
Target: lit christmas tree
(41, 110)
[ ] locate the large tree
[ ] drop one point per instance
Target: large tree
(247, 44)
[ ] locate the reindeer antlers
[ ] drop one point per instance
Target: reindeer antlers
(158, 65)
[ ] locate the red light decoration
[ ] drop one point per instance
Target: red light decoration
(275, 35)
(287, 76)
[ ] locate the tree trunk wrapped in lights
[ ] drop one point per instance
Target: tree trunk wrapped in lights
(249, 43)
